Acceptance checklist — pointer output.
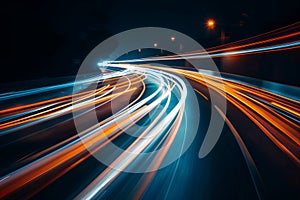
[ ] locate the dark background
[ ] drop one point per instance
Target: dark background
(50, 38)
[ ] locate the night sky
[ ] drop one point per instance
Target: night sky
(42, 39)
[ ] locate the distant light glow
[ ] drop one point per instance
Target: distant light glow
(210, 23)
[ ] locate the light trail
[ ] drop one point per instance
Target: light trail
(203, 55)
(287, 38)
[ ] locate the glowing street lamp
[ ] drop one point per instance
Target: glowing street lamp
(172, 39)
(210, 24)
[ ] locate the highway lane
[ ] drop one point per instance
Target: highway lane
(258, 151)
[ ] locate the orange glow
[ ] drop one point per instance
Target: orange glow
(210, 23)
